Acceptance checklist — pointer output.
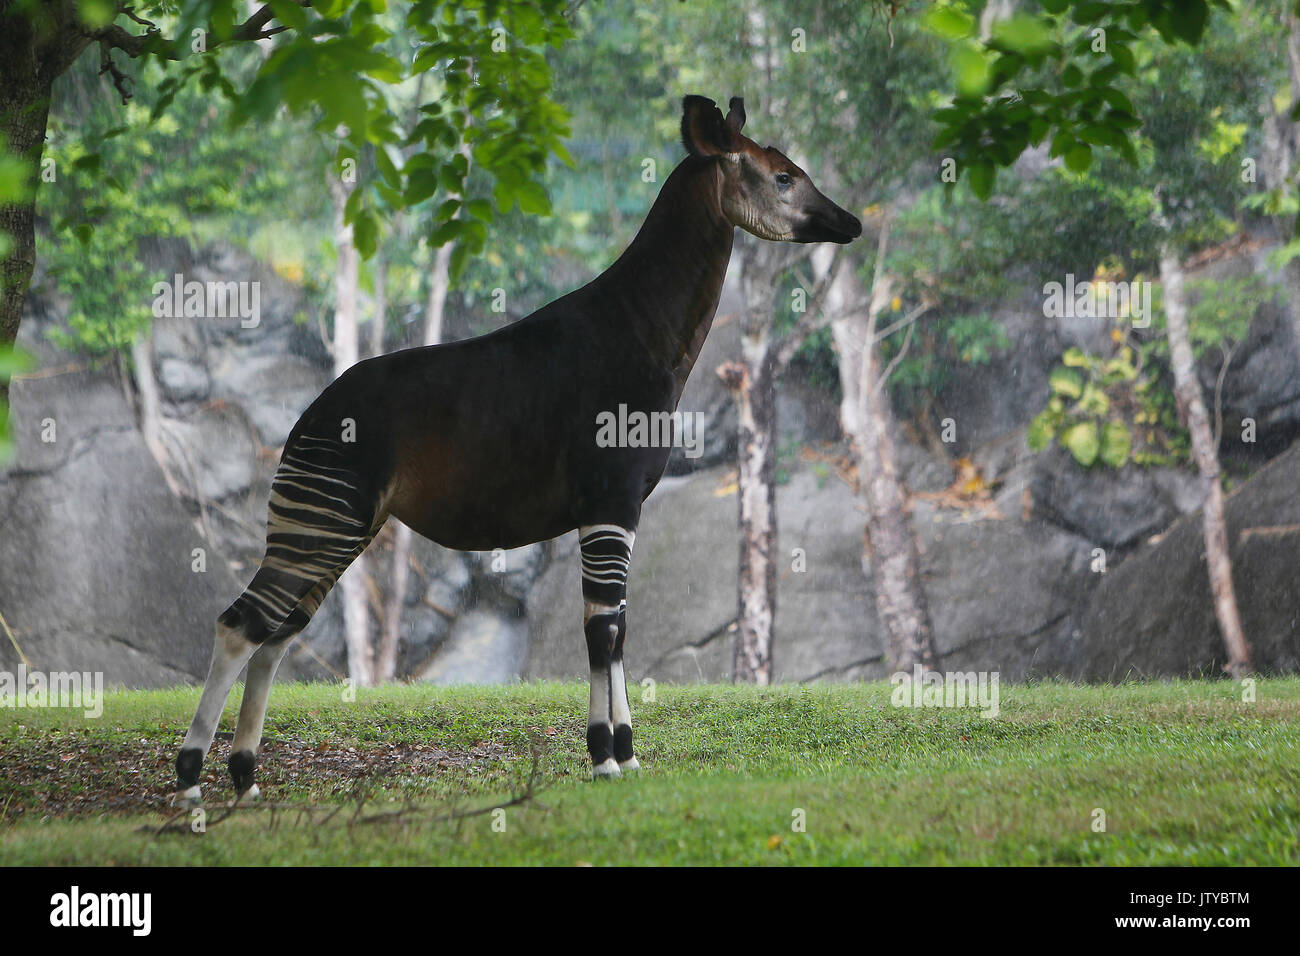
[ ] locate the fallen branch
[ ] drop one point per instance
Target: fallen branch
(320, 815)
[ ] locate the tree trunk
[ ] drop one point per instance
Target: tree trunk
(1191, 405)
(889, 549)
(379, 322)
(750, 382)
(356, 613)
(439, 286)
(25, 84)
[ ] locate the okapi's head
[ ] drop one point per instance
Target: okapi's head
(762, 191)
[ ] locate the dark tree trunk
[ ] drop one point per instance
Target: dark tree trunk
(27, 71)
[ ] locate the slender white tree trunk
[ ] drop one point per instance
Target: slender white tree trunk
(439, 286)
(889, 549)
(1187, 390)
(750, 383)
(346, 349)
(379, 322)
(150, 407)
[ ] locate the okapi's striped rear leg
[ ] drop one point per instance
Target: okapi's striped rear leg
(320, 518)
(606, 554)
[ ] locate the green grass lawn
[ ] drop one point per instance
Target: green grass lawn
(1185, 772)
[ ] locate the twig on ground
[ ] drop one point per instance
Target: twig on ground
(320, 815)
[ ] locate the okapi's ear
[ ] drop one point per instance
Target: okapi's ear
(704, 131)
(736, 114)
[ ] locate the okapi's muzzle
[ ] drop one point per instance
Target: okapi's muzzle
(827, 222)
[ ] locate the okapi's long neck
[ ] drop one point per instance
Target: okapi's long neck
(667, 282)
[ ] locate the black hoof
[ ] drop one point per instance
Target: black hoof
(188, 764)
(599, 743)
(242, 763)
(623, 743)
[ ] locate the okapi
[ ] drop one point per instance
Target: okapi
(490, 442)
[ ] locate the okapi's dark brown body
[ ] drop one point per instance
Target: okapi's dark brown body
(491, 442)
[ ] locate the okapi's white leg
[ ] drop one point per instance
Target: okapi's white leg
(252, 715)
(230, 652)
(606, 553)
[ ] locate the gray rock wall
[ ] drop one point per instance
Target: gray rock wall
(96, 552)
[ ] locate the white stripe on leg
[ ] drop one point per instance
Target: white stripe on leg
(622, 712)
(598, 706)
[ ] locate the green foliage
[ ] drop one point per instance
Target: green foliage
(1221, 311)
(1056, 76)
(1121, 407)
(488, 89)
(1156, 121)
(13, 361)
(120, 184)
(480, 76)
(975, 339)
(1108, 410)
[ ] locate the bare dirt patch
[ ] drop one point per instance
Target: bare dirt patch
(72, 775)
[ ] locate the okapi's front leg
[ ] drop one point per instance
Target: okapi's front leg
(606, 553)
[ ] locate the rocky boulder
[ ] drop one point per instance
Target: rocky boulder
(98, 567)
(682, 589)
(1153, 617)
(1115, 508)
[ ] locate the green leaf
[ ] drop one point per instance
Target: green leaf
(973, 70)
(1042, 429)
(96, 13)
(1074, 357)
(1023, 33)
(1187, 20)
(1116, 444)
(480, 209)
(1094, 401)
(447, 232)
(1064, 381)
(1079, 159)
(532, 198)
(14, 361)
(1123, 58)
(949, 22)
(981, 180)
(1083, 442)
(365, 233)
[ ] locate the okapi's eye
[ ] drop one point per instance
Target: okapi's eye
(783, 179)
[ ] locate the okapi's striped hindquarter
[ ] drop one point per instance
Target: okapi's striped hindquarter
(491, 442)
